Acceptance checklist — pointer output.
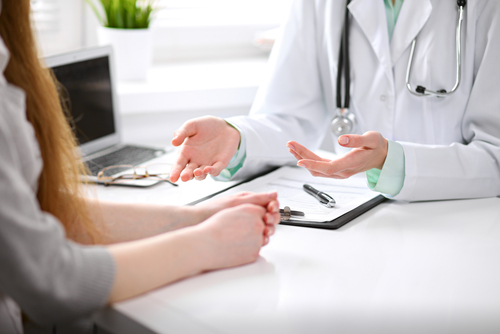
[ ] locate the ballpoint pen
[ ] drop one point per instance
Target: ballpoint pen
(322, 197)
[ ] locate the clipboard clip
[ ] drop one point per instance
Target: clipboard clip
(286, 213)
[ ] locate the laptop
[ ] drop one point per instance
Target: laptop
(89, 92)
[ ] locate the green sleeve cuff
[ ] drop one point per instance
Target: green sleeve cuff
(390, 179)
(236, 161)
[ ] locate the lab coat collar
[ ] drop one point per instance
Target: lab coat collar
(370, 16)
(413, 16)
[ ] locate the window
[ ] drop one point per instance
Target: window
(58, 24)
(214, 28)
(183, 28)
(221, 12)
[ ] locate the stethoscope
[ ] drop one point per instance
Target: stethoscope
(345, 121)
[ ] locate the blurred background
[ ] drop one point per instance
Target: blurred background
(208, 58)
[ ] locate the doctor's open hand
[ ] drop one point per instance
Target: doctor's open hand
(368, 151)
(207, 145)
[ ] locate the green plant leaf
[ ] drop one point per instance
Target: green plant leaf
(125, 14)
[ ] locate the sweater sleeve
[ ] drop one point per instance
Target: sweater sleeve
(51, 278)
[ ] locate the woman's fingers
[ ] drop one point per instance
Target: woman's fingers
(265, 240)
(269, 230)
(266, 200)
(273, 206)
(272, 218)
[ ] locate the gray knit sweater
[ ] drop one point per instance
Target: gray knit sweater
(48, 277)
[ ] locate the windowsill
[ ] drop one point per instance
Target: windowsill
(187, 86)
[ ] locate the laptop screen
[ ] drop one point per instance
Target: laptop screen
(86, 92)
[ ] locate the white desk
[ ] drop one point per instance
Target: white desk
(400, 268)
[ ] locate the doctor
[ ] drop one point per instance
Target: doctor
(413, 147)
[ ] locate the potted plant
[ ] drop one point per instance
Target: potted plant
(125, 25)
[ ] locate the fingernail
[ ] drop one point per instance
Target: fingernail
(276, 208)
(270, 219)
(266, 240)
(290, 146)
(301, 164)
(344, 140)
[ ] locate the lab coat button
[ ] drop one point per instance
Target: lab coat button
(383, 97)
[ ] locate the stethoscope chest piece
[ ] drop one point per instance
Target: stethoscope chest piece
(343, 123)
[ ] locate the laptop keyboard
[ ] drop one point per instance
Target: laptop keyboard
(127, 155)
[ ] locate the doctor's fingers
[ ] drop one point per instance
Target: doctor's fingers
(187, 173)
(370, 139)
(338, 169)
(178, 167)
(331, 176)
(298, 157)
(186, 131)
(199, 173)
(215, 169)
(301, 152)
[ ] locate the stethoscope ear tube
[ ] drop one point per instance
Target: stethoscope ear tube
(421, 90)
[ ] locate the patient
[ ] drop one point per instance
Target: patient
(46, 271)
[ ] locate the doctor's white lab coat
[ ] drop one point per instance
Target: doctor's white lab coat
(451, 145)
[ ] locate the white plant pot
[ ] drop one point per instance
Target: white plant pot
(132, 48)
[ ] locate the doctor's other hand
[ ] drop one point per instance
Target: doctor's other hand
(269, 201)
(368, 151)
(207, 145)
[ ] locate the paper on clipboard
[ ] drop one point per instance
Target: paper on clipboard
(288, 182)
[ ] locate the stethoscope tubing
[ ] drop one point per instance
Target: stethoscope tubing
(343, 66)
(426, 92)
(344, 122)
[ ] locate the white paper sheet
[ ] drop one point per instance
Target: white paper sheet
(289, 181)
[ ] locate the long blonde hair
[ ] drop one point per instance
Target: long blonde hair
(59, 190)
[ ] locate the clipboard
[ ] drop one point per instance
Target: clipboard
(340, 221)
(352, 195)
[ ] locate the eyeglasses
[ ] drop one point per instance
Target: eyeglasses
(123, 173)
